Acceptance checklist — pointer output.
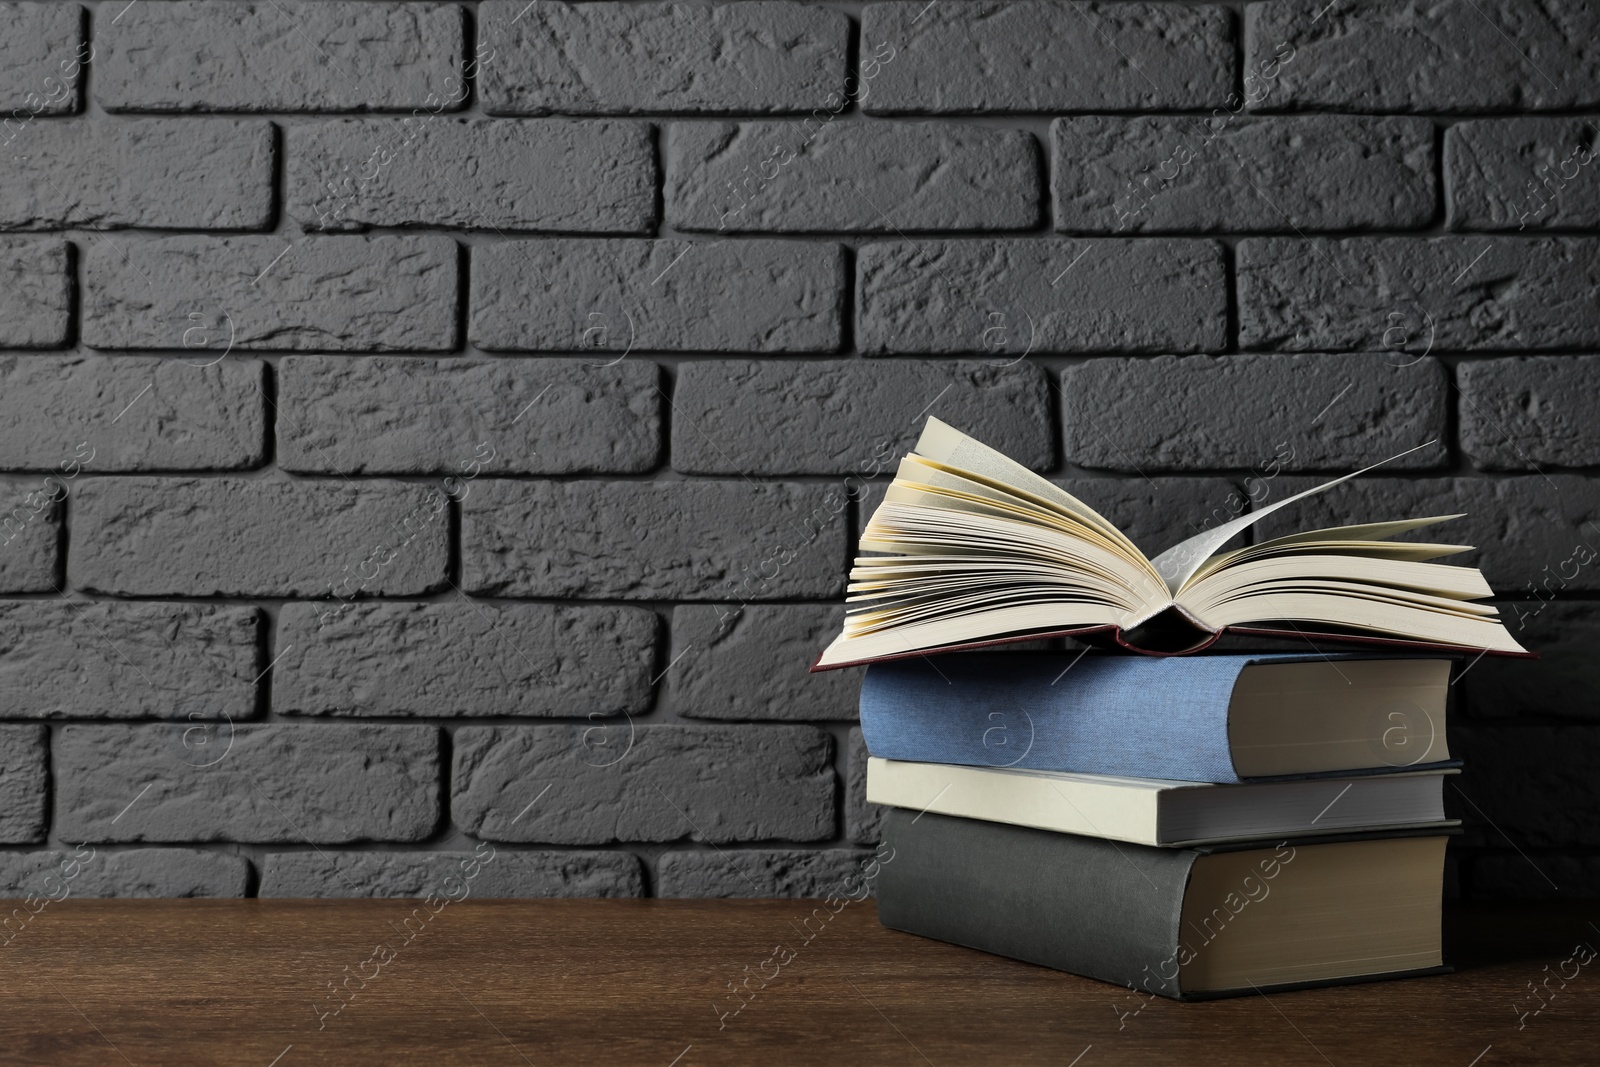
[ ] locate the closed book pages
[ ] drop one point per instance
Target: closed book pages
(1196, 718)
(1180, 923)
(1157, 811)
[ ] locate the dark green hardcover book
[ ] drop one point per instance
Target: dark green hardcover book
(1186, 923)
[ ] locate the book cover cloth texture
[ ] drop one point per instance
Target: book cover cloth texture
(1077, 904)
(1107, 912)
(1129, 716)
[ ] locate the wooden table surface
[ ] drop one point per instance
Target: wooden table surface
(549, 982)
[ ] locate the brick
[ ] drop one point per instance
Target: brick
(1043, 57)
(285, 55)
(24, 772)
(211, 295)
(130, 413)
(1416, 295)
(670, 783)
(462, 417)
(35, 293)
(274, 784)
(1533, 786)
(1303, 412)
(213, 174)
(30, 534)
(1509, 875)
(863, 822)
(478, 174)
(42, 54)
(86, 660)
(752, 661)
(1426, 55)
(818, 176)
(614, 297)
(849, 416)
(88, 872)
(138, 536)
(1041, 297)
(1530, 412)
(1564, 681)
(612, 58)
(1535, 537)
(504, 874)
(1158, 512)
(1331, 172)
(657, 540)
(463, 659)
(764, 873)
(1521, 173)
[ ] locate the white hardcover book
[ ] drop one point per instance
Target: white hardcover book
(1149, 811)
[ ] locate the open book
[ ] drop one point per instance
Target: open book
(980, 550)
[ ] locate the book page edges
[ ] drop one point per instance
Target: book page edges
(1178, 563)
(1114, 634)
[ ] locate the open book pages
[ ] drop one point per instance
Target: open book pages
(976, 548)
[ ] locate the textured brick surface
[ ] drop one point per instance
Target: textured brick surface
(1307, 412)
(1522, 173)
(990, 56)
(1565, 681)
(863, 822)
(809, 177)
(750, 661)
(475, 174)
(1250, 174)
(213, 174)
(24, 767)
(1530, 412)
(77, 659)
(850, 417)
(488, 873)
(207, 295)
(128, 413)
(764, 873)
(393, 385)
(1428, 55)
(1418, 295)
(1156, 513)
(237, 537)
(612, 298)
(1514, 876)
(1531, 786)
(1039, 297)
(463, 659)
(35, 294)
(463, 418)
(86, 871)
(30, 534)
(1536, 538)
(320, 784)
(612, 58)
(42, 53)
(282, 55)
(707, 783)
(646, 541)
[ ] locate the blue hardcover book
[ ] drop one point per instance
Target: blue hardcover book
(1196, 718)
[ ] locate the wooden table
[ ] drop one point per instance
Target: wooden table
(549, 982)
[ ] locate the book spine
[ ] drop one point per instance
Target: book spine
(1112, 715)
(1077, 904)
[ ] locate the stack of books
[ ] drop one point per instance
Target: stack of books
(1188, 827)
(1185, 825)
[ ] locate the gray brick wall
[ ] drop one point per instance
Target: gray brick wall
(432, 433)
